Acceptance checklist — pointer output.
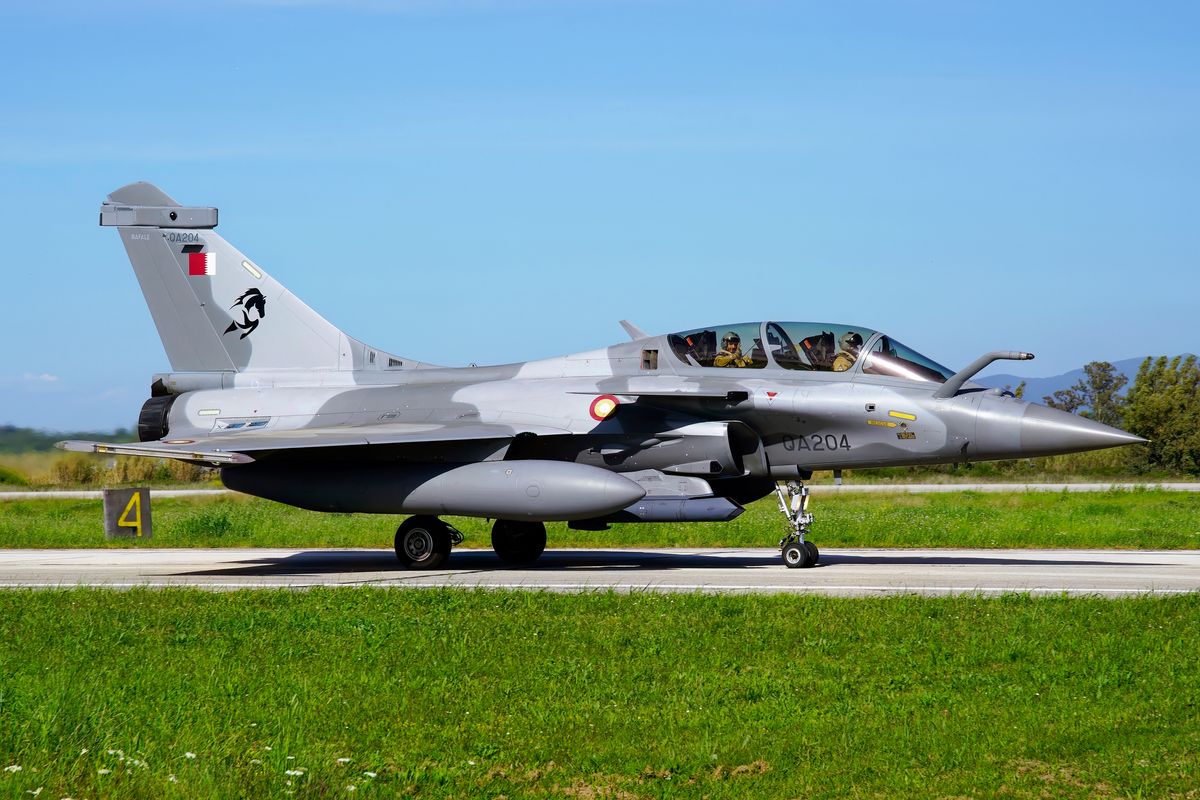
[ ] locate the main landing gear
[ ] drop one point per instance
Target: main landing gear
(518, 542)
(797, 551)
(424, 541)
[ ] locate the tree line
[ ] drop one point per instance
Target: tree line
(29, 440)
(1162, 405)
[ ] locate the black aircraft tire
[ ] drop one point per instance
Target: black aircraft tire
(423, 542)
(796, 556)
(813, 553)
(518, 542)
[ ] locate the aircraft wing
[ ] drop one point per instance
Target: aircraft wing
(240, 448)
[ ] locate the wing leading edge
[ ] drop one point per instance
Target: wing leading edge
(238, 448)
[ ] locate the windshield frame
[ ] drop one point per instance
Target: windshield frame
(930, 369)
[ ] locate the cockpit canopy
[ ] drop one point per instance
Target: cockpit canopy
(806, 346)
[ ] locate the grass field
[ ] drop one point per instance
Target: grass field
(1120, 519)
(486, 694)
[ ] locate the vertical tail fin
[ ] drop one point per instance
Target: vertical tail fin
(215, 309)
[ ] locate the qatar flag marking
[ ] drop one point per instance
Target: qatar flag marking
(202, 263)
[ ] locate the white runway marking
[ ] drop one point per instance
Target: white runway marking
(845, 572)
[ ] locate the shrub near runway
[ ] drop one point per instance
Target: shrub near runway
(445, 693)
(1124, 519)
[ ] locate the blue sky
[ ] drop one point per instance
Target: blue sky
(496, 181)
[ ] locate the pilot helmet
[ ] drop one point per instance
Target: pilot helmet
(851, 341)
(730, 338)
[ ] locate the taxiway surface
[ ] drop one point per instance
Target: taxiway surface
(848, 572)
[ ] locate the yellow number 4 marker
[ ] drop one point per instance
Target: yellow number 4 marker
(134, 505)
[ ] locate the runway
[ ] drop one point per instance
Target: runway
(843, 572)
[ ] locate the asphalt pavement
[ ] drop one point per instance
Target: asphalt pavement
(844, 572)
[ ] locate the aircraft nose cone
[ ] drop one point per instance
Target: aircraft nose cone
(1048, 430)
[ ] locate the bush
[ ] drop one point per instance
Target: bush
(10, 477)
(74, 469)
(183, 472)
(128, 470)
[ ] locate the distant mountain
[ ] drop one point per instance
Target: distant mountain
(1037, 388)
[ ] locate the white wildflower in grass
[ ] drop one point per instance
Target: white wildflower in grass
(172, 779)
(13, 768)
(370, 774)
(268, 747)
(103, 771)
(291, 758)
(471, 763)
(34, 792)
(352, 788)
(343, 761)
(256, 761)
(189, 755)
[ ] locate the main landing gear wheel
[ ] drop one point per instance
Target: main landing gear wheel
(424, 542)
(797, 551)
(518, 542)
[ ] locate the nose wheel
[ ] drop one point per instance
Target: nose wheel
(797, 551)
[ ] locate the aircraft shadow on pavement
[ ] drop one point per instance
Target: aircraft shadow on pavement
(316, 562)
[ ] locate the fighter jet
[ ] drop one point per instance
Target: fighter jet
(681, 427)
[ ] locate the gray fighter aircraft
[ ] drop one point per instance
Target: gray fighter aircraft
(685, 426)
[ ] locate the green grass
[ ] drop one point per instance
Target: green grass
(1118, 519)
(446, 693)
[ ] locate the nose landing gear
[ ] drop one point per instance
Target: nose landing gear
(797, 551)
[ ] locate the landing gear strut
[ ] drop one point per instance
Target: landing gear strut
(424, 542)
(797, 551)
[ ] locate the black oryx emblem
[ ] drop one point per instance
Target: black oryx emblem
(251, 300)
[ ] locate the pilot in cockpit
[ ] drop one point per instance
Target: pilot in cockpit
(848, 345)
(731, 352)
